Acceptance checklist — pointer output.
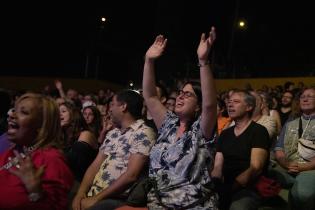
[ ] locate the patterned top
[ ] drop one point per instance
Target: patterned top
(180, 167)
(118, 146)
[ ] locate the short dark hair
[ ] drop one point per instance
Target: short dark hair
(133, 100)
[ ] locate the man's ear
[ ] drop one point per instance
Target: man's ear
(124, 107)
(249, 108)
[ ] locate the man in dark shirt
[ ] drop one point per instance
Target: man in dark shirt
(286, 106)
(242, 154)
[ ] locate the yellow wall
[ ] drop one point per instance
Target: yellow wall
(258, 83)
(38, 83)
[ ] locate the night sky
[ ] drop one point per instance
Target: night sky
(59, 39)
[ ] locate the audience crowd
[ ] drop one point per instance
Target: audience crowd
(190, 146)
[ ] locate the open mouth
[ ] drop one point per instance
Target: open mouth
(12, 127)
(179, 104)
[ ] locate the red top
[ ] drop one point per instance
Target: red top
(57, 181)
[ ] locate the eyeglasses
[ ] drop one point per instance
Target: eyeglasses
(186, 94)
(307, 97)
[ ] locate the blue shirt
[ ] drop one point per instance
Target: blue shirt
(180, 167)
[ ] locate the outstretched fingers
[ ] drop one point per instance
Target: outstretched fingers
(212, 35)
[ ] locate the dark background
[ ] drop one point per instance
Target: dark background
(67, 39)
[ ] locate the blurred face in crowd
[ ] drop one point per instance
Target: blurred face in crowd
(259, 102)
(186, 102)
(65, 116)
(72, 94)
(101, 94)
(24, 122)
(307, 101)
(88, 115)
(170, 104)
(286, 99)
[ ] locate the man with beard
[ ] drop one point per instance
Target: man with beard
(286, 106)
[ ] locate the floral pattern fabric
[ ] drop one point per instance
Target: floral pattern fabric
(180, 167)
(118, 146)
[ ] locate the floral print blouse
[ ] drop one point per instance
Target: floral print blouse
(180, 167)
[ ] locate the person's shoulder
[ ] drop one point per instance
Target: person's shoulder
(258, 126)
(146, 131)
(48, 153)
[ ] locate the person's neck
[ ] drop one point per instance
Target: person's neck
(309, 113)
(241, 125)
(285, 109)
(126, 122)
(256, 117)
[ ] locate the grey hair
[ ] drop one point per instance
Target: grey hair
(249, 99)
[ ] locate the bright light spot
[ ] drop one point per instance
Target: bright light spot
(241, 24)
(103, 19)
(131, 84)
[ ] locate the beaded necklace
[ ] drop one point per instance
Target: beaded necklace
(14, 161)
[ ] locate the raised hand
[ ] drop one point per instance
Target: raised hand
(205, 45)
(157, 48)
(58, 84)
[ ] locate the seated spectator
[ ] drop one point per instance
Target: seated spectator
(223, 117)
(242, 155)
(267, 109)
(81, 144)
(285, 108)
(170, 104)
(180, 159)
(92, 117)
(121, 158)
(34, 174)
(265, 120)
(295, 153)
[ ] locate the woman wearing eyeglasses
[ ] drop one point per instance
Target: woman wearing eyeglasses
(182, 155)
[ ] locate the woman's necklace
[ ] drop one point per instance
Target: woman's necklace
(15, 161)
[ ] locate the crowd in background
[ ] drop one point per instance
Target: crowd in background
(198, 149)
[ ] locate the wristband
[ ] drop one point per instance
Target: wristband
(204, 64)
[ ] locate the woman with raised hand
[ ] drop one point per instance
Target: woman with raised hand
(34, 173)
(182, 157)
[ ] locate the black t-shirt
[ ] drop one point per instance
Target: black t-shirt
(284, 116)
(236, 150)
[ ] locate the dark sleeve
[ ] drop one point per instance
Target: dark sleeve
(79, 158)
(261, 138)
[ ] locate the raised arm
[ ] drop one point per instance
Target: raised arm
(155, 107)
(59, 87)
(209, 101)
